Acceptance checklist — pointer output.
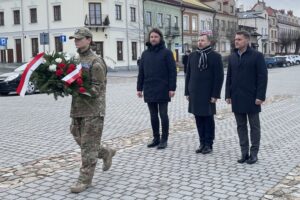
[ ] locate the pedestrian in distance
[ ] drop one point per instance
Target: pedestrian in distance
(246, 86)
(87, 113)
(185, 58)
(156, 82)
(203, 84)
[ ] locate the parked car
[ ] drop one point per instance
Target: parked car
(275, 62)
(296, 58)
(289, 61)
(9, 81)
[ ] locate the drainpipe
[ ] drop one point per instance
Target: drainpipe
(48, 25)
(139, 14)
(182, 38)
(23, 35)
(127, 35)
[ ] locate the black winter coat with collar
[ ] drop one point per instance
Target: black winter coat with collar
(157, 73)
(246, 81)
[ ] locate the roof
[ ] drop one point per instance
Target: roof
(197, 4)
(270, 11)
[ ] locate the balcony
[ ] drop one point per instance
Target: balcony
(101, 21)
(172, 31)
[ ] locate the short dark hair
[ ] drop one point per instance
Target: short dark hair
(246, 34)
(157, 31)
(209, 36)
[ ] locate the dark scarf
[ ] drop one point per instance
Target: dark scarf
(202, 65)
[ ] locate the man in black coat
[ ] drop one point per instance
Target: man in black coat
(203, 84)
(246, 86)
(185, 59)
(157, 80)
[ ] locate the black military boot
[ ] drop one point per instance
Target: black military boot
(154, 143)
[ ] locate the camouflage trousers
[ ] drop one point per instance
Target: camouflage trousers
(87, 132)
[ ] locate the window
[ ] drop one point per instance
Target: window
(33, 15)
(95, 14)
(273, 47)
(168, 21)
(194, 23)
(223, 25)
(219, 6)
(176, 21)
(272, 34)
(1, 18)
(275, 34)
(186, 23)
(209, 26)
(202, 26)
(57, 13)
(134, 50)
(232, 9)
(34, 46)
(159, 19)
(119, 50)
(118, 12)
(148, 18)
(16, 16)
(58, 44)
(99, 48)
(132, 14)
(217, 24)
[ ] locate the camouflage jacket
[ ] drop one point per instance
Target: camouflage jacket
(86, 106)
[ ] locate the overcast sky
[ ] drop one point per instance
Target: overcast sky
(276, 4)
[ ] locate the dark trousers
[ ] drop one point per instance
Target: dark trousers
(206, 129)
(162, 109)
(242, 129)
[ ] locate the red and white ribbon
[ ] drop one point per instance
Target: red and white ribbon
(70, 78)
(31, 66)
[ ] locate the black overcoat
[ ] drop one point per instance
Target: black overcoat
(157, 73)
(246, 81)
(201, 86)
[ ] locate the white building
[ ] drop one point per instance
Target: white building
(259, 21)
(117, 26)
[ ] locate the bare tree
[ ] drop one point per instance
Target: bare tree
(297, 41)
(285, 40)
(230, 35)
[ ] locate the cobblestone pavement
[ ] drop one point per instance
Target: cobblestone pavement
(39, 159)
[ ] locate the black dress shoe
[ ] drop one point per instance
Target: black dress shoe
(154, 143)
(243, 159)
(200, 149)
(252, 160)
(206, 150)
(162, 145)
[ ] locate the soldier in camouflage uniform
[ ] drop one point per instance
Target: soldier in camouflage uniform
(88, 112)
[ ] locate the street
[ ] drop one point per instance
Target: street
(40, 160)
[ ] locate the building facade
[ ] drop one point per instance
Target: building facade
(259, 21)
(288, 31)
(166, 16)
(225, 24)
(33, 26)
(197, 19)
